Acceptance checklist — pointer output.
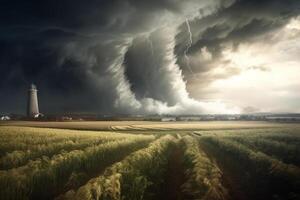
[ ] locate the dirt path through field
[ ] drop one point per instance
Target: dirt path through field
(229, 180)
(235, 191)
(175, 175)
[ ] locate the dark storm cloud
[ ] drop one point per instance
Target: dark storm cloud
(147, 68)
(244, 21)
(119, 56)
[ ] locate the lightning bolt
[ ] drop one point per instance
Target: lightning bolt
(151, 45)
(189, 45)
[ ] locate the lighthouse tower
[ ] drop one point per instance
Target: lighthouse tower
(32, 104)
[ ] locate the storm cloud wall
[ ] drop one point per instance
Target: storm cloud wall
(124, 56)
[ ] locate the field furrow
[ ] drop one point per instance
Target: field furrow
(18, 158)
(64, 170)
(150, 161)
(138, 177)
(288, 139)
(259, 175)
(203, 176)
(287, 153)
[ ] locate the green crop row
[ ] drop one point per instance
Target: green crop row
(18, 158)
(45, 178)
(24, 138)
(289, 136)
(138, 177)
(288, 153)
(203, 177)
(259, 174)
(288, 139)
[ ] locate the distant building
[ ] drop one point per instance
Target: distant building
(189, 118)
(4, 118)
(282, 118)
(168, 119)
(66, 118)
(32, 103)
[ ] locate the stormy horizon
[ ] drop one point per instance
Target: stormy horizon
(151, 57)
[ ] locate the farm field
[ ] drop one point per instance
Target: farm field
(146, 125)
(149, 160)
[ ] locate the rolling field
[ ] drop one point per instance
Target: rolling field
(149, 160)
(146, 125)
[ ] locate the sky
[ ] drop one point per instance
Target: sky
(151, 56)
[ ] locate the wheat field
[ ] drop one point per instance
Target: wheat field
(149, 160)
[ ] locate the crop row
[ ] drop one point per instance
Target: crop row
(203, 177)
(282, 134)
(23, 138)
(259, 174)
(45, 178)
(288, 153)
(32, 136)
(138, 177)
(288, 139)
(18, 158)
